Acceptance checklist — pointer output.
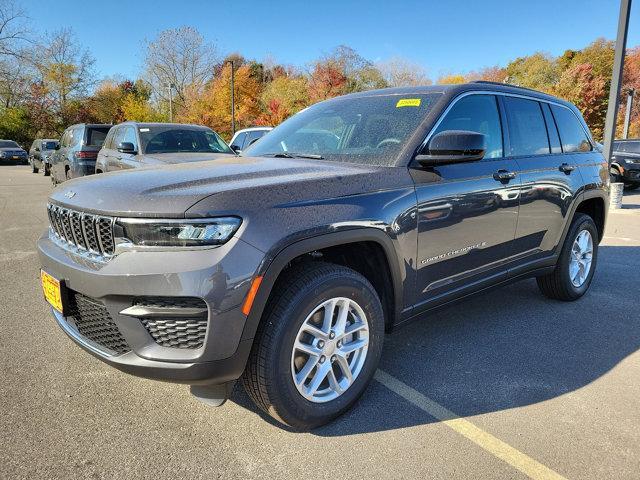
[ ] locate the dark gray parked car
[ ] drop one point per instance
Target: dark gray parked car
(40, 154)
(77, 151)
(285, 267)
(625, 163)
(134, 145)
(10, 151)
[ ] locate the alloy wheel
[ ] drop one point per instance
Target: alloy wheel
(581, 258)
(330, 350)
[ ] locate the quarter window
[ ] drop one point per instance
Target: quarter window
(476, 113)
(527, 129)
(552, 130)
(572, 135)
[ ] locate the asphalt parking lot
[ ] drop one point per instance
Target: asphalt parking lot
(505, 385)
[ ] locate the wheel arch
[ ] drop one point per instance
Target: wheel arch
(274, 265)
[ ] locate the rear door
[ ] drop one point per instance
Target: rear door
(550, 179)
(467, 212)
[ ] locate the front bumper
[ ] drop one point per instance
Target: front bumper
(219, 276)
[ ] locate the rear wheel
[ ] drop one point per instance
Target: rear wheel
(34, 169)
(577, 263)
(47, 170)
(317, 347)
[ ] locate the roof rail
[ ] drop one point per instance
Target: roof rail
(504, 84)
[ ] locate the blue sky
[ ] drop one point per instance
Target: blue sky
(442, 36)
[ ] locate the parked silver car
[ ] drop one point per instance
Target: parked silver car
(40, 153)
(134, 145)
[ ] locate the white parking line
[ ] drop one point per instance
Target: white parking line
(488, 442)
(623, 239)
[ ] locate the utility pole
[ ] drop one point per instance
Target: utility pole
(233, 102)
(627, 115)
(616, 78)
(171, 87)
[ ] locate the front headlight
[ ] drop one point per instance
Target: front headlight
(176, 233)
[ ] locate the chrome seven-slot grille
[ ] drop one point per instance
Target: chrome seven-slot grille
(85, 231)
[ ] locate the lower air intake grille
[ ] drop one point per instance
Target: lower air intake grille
(177, 333)
(172, 328)
(93, 321)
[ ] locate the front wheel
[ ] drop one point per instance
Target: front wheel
(577, 263)
(34, 169)
(317, 347)
(47, 170)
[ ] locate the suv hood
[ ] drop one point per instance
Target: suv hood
(171, 190)
(182, 157)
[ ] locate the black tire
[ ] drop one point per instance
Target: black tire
(557, 285)
(614, 175)
(267, 378)
(47, 170)
(34, 169)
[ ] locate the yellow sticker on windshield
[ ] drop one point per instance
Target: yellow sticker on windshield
(408, 102)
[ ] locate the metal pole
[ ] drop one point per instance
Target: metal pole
(233, 102)
(171, 102)
(627, 115)
(616, 78)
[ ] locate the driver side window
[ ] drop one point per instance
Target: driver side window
(477, 113)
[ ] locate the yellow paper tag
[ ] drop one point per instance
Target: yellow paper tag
(408, 102)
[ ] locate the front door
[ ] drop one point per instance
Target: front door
(467, 212)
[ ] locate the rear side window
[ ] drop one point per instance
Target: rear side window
(527, 129)
(572, 135)
(476, 113)
(632, 147)
(251, 136)
(96, 136)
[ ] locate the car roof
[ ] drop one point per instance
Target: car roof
(253, 129)
(164, 124)
(455, 90)
(90, 125)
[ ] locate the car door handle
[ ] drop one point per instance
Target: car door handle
(566, 168)
(504, 176)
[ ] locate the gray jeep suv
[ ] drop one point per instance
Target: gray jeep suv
(284, 267)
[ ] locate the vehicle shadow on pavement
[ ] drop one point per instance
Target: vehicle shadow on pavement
(504, 349)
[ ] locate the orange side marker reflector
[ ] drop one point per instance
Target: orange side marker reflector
(251, 296)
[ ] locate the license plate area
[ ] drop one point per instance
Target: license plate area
(53, 290)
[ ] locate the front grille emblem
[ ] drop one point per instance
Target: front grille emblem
(70, 194)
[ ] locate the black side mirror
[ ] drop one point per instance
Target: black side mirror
(57, 146)
(236, 148)
(126, 147)
(453, 146)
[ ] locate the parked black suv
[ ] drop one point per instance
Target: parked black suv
(625, 163)
(285, 266)
(75, 155)
(10, 151)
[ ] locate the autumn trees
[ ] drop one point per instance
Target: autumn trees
(48, 81)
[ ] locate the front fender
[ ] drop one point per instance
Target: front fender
(276, 261)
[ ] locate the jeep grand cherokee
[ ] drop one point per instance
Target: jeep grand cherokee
(284, 267)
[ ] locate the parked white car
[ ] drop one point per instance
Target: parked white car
(245, 137)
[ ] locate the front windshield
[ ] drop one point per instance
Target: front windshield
(8, 144)
(363, 129)
(171, 139)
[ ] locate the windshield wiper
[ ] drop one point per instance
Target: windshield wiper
(293, 155)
